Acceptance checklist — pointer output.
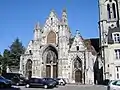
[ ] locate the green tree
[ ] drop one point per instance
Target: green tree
(0, 64)
(16, 49)
(6, 57)
(5, 60)
(0, 59)
(11, 56)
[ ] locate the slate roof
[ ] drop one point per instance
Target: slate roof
(112, 30)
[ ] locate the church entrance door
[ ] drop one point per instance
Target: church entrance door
(48, 71)
(78, 76)
(51, 63)
(55, 71)
(78, 70)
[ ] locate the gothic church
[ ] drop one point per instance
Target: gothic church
(54, 52)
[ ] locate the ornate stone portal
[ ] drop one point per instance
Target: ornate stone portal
(78, 70)
(51, 62)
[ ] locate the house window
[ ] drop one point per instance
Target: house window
(77, 48)
(117, 69)
(117, 53)
(108, 9)
(116, 38)
(114, 10)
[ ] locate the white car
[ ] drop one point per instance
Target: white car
(61, 81)
(114, 85)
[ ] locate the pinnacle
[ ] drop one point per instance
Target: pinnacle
(37, 26)
(64, 10)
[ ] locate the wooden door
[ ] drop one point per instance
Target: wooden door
(48, 71)
(78, 76)
(55, 71)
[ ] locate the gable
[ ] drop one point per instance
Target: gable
(51, 23)
(77, 43)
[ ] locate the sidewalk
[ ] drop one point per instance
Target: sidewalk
(80, 84)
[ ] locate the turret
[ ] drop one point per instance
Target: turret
(37, 31)
(64, 17)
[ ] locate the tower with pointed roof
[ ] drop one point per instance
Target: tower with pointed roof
(54, 53)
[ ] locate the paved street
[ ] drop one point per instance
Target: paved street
(67, 87)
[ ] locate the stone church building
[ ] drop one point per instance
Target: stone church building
(54, 52)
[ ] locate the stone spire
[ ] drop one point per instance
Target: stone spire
(78, 35)
(37, 31)
(64, 17)
(37, 26)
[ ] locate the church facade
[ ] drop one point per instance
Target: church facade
(109, 24)
(54, 52)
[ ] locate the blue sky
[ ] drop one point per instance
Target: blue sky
(18, 18)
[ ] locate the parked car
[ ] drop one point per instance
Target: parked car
(5, 82)
(114, 85)
(16, 78)
(61, 81)
(105, 82)
(53, 80)
(38, 82)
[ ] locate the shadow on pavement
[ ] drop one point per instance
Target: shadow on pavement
(12, 88)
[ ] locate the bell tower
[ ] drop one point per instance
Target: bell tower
(108, 19)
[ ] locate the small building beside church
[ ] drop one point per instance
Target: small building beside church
(54, 52)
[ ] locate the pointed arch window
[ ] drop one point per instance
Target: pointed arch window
(51, 57)
(54, 58)
(51, 38)
(77, 63)
(114, 10)
(108, 9)
(48, 57)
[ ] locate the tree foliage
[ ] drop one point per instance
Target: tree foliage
(0, 62)
(0, 59)
(11, 56)
(16, 49)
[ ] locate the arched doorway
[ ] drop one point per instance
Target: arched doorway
(78, 70)
(29, 68)
(51, 62)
